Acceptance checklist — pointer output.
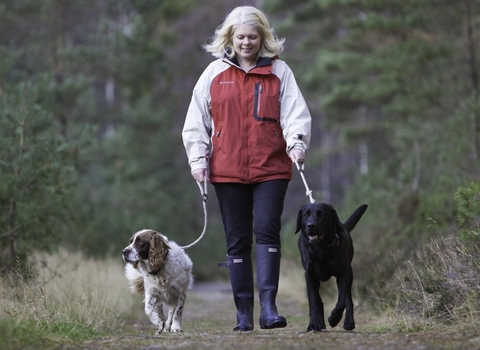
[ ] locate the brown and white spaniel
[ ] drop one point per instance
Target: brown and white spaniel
(162, 271)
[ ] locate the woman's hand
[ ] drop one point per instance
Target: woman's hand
(297, 155)
(200, 175)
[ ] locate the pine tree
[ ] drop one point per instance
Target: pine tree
(35, 172)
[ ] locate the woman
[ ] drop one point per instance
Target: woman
(247, 122)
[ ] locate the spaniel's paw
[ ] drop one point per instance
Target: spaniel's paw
(176, 330)
(159, 332)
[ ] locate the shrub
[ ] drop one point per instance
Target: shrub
(468, 206)
(442, 284)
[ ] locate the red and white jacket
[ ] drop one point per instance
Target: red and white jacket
(241, 124)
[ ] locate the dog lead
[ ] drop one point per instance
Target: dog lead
(308, 192)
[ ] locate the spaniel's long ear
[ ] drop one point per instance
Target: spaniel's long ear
(299, 220)
(157, 255)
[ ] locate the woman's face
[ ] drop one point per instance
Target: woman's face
(246, 43)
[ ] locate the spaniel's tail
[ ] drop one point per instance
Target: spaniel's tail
(135, 279)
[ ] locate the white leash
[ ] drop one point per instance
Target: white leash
(308, 192)
(203, 191)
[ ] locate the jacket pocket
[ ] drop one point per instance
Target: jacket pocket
(279, 137)
(263, 105)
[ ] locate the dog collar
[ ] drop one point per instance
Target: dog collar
(154, 273)
(336, 241)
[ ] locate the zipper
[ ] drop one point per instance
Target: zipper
(259, 99)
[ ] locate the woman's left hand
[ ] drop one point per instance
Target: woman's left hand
(297, 155)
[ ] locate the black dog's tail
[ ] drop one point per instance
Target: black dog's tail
(355, 218)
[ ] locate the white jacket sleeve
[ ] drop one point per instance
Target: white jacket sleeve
(198, 125)
(295, 117)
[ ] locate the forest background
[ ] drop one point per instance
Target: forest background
(93, 96)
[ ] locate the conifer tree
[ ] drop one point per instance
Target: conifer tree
(35, 173)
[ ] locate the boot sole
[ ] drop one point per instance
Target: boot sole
(278, 324)
(242, 328)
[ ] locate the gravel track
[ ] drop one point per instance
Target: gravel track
(210, 316)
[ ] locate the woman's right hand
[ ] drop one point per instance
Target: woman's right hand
(200, 175)
(297, 155)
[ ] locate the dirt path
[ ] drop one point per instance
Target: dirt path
(209, 318)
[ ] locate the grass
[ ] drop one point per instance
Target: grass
(70, 301)
(440, 287)
(66, 297)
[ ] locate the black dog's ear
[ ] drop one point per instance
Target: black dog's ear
(336, 220)
(299, 220)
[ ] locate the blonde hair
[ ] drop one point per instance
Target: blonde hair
(222, 41)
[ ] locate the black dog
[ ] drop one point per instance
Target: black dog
(326, 250)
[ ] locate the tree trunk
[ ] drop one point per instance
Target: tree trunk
(471, 58)
(11, 231)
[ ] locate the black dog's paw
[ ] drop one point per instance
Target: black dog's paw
(335, 317)
(316, 328)
(349, 326)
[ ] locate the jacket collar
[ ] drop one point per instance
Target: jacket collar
(261, 62)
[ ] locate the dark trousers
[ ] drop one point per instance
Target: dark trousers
(251, 209)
